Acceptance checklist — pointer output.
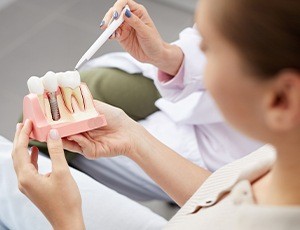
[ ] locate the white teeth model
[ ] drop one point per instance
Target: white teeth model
(69, 83)
(51, 85)
(50, 81)
(35, 86)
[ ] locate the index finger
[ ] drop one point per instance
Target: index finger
(115, 11)
(120, 4)
(20, 152)
(17, 133)
(23, 139)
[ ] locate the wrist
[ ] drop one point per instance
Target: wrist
(73, 222)
(137, 134)
(143, 141)
(170, 59)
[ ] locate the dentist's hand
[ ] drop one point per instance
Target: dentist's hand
(119, 137)
(139, 37)
(56, 194)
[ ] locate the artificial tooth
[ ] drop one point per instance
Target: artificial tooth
(35, 86)
(69, 83)
(50, 81)
(51, 85)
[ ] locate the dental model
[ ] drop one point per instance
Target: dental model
(50, 84)
(69, 83)
(60, 101)
(35, 86)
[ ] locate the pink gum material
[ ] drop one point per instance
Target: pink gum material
(41, 127)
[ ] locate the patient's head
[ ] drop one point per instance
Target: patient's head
(253, 64)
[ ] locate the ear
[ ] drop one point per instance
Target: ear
(282, 102)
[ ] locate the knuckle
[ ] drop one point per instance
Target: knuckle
(18, 147)
(142, 7)
(24, 182)
(21, 188)
(120, 113)
(55, 148)
(91, 156)
(61, 172)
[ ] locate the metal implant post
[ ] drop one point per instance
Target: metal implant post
(54, 106)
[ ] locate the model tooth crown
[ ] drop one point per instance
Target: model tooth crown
(50, 81)
(69, 79)
(35, 85)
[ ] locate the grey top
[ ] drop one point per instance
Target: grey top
(225, 200)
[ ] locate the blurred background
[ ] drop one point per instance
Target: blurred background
(41, 35)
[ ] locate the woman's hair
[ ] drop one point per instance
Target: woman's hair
(266, 33)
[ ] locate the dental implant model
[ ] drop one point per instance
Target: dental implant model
(50, 84)
(60, 101)
(35, 86)
(70, 87)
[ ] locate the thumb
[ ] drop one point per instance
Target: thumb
(56, 151)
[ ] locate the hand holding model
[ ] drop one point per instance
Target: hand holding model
(53, 193)
(117, 138)
(139, 37)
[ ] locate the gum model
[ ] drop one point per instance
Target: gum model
(60, 101)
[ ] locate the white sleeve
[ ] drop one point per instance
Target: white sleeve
(184, 98)
(191, 71)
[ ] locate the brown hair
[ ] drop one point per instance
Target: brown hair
(267, 33)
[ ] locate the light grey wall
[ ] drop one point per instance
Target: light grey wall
(4, 3)
(187, 5)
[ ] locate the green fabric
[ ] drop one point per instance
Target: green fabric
(133, 93)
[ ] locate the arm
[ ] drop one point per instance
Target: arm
(123, 136)
(178, 177)
(189, 78)
(180, 64)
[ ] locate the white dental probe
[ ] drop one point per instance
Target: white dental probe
(102, 39)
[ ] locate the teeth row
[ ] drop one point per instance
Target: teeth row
(68, 82)
(69, 79)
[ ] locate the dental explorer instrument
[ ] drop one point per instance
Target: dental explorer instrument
(102, 39)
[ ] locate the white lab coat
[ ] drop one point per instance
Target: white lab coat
(188, 121)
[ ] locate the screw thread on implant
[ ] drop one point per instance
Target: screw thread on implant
(54, 106)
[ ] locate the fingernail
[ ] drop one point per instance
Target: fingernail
(18, 126)
(26, 123)
(127, 13)
(115, 15)
(34, 148)
(102, 23)
(54, 135)
(112, 36)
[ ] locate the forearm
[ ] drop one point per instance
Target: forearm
(178, 177)
(75, 222)
(170, 60)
